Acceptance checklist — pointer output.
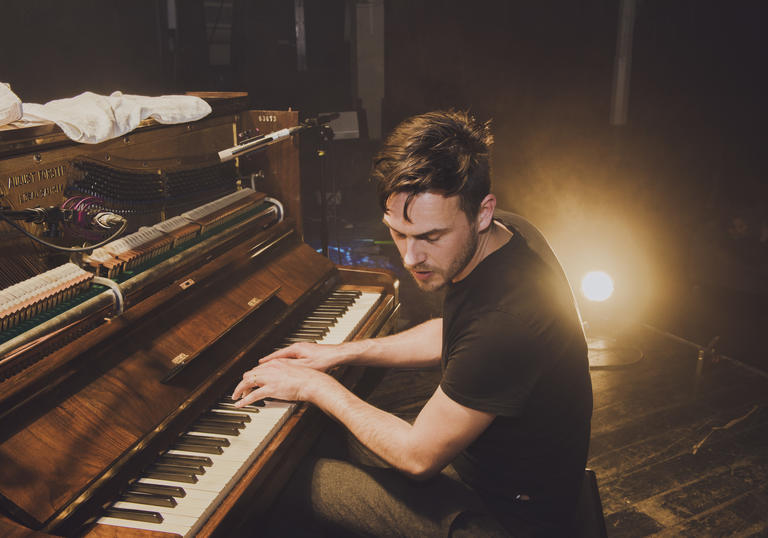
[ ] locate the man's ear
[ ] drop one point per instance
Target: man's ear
(485, 215)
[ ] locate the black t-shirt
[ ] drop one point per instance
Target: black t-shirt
(513, 346)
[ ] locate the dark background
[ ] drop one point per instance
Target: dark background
(673, 204)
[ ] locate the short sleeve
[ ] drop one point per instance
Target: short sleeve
(493, 364)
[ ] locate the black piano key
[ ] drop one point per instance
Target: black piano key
(171, 476)
(208, 427)
(333, 299)
(157, 489)
(246, 408)
(333, 305)
(297, 340)
(204, 439)
(227, 417)
(310, 328)
(173, 468)
(207, 420)
(319, 324)
(177, 458)
(320, 329)
(319, 333)
(135, 515)
(149, 499)
(199, 449)
(227, 399)
(315, 337)
(330, 320)
(329, 311)
(306, 337)
(346, 293)
(346, 301)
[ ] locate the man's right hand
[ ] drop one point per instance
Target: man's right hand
(321, 357)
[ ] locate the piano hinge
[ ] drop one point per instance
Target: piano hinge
(180, 358)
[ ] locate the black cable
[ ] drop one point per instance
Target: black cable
(65, 249)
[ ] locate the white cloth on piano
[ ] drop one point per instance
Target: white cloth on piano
(10, 105)
(92, 118)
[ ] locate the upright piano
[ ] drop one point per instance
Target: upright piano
(116, 363)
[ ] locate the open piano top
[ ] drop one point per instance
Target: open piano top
(109, 361)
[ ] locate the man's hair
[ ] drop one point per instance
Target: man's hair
(446, 152)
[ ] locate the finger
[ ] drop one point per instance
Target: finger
(280, 353)
(245, 386)
(254, 396)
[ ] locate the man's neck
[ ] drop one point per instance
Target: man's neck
(495, 237)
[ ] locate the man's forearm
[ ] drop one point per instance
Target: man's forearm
(419, 346)
(383, 433)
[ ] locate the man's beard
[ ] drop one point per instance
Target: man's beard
(456, 266)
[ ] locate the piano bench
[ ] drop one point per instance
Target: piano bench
(590, 522)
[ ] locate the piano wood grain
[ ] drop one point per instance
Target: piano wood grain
(122, 398)
(78, 425)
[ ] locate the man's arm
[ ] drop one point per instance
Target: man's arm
(442, 429)
(416, 347)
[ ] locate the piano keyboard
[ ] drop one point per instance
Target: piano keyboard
(184, 486)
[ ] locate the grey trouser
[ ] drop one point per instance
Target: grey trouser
(331, 497)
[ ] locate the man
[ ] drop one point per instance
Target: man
(504, 437)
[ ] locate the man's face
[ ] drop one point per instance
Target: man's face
(438, 243)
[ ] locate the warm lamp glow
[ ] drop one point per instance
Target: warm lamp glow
(597, 286)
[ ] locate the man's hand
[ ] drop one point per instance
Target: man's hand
(320, 357)
(280, 379)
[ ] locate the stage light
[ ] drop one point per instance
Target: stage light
(597, 286)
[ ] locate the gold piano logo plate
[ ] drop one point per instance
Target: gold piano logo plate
(180, 358)
(253, 302)
(31, 185)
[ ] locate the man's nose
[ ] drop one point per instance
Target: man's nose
(414, 253)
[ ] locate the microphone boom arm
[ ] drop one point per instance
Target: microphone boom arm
(261, 142)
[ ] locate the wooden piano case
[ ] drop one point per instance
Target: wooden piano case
(95, 402)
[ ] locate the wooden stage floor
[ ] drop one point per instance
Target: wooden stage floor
(678, 455)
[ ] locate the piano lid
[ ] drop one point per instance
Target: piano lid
(23, 139)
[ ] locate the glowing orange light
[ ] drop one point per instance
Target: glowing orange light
(597, 286)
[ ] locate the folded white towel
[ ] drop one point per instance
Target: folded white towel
(93, 118)
(10, 105)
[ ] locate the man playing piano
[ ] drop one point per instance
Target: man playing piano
(501, 445)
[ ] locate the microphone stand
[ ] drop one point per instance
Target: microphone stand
(326, 135)
(49, 217)
(325, 132)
